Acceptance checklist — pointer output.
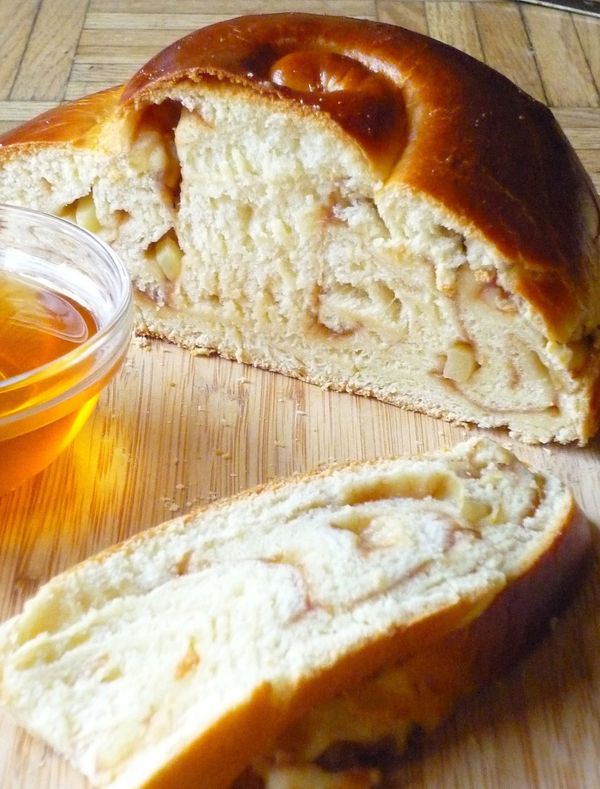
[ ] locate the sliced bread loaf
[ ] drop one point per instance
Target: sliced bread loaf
(345, 202)
(183, 656)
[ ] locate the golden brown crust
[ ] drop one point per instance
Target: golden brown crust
(211, 762)
(521, 613)
(488, 153)
(428, 117)
(77, 121)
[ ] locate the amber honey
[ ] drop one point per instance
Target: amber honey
(37, 325)
(38, 415)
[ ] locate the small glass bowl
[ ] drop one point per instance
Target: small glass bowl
(42, 410)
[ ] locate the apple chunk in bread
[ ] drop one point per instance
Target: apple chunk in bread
(348, 203)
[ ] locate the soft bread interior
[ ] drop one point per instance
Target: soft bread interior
(120, 188)
(303, 263)
(258, 229)
(145, 659)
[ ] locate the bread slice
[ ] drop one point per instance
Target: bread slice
(345, 202)
(191, 652)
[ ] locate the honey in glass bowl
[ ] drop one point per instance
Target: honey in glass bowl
(65, 325)
(37, 325)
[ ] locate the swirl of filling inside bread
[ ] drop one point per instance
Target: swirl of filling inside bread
(241, 633)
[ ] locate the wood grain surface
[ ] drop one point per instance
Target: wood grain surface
(174, 430)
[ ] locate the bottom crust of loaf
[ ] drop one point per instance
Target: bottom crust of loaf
(435, 397)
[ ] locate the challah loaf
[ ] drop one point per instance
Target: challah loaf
(345, 202)
(236, 638)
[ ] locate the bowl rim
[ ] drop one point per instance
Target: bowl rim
(92, 344)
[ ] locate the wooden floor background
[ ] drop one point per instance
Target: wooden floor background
(173, 430)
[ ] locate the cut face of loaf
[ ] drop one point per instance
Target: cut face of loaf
(180, 657)
(115, 178)
(347, 203)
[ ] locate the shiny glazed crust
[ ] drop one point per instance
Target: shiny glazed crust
(486, 151)
(490, 154)
(78, 121)
(428, 117)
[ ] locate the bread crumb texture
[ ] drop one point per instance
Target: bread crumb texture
(124, 661)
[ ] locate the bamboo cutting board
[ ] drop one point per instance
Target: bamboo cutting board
(174, 430)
